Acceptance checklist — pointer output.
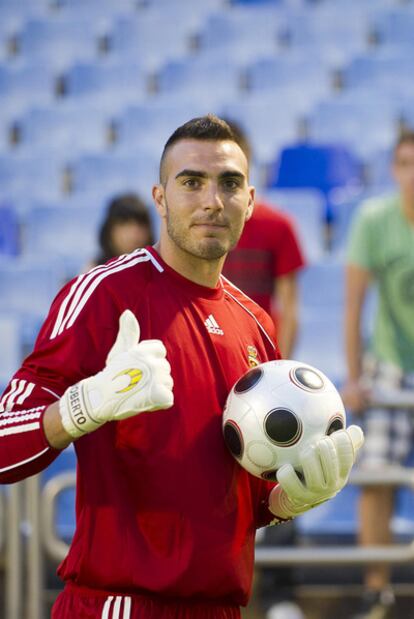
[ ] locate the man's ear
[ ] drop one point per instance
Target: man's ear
(250, 206)
(158, 196)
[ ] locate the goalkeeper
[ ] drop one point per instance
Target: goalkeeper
(133, 364)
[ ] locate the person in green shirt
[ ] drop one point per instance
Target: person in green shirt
(381, 253)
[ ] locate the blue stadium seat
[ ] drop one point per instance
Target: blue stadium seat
(151, 123)
(306, 207)
(253, 112)
(361, 125)
(28, 287)
(30, 176)
(309, 77)
(387, 67)
(322, 288)
(68, 235)
(201, 75)
(9, 231)
(121, 83)
(320, 340)
(112, 173)
(66, 128)
(230, 32)
(58, 42)
(23, 84)
(315, 166)
(11, 347)
(140, 37)
(394, 25)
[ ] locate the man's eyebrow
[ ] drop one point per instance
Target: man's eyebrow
(188, 172)
(232, 174)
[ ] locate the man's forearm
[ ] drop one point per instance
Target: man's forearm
(55, 433)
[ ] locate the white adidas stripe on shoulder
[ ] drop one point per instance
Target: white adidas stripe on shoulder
(259, 324)
(85, 284)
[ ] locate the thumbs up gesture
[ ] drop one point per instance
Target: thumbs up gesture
(136, 378)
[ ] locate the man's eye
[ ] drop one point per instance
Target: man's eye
(191, 183)
(231, 184)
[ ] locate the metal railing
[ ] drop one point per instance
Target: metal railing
(32, 536)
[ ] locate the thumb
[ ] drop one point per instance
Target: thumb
(357, 437)
(128, 334)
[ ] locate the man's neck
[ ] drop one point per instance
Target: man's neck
(197, 270)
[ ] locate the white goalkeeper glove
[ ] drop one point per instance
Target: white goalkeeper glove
(326, 467)
(136, 378)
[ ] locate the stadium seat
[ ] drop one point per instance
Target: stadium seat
(24, 84)
(321, 167)
(28, 287)
(9, 231)
(11, 347)
(318, 32)
(388, 67)
(149, 124)
(306, 207)
(140, 37)
(66, 128)
(109, 83)
(201, 75)
(308, 77)
(112, 173)
(58, 42)
(271, 120)
(230, 32)
(322, 288)
(394, 25)
(30, 176)
(69, 234)
(364, 126)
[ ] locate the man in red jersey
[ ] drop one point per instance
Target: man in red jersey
(266, 261)
(166, 518)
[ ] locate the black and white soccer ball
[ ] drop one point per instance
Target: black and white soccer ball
(275, 410)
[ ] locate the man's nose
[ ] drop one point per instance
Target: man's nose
(212, 198)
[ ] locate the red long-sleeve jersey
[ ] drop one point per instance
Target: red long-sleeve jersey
(161, 504)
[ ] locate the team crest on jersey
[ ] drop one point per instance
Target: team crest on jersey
(252, 356)
(135, 376)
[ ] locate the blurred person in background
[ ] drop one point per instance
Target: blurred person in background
(127, 226)
(381, 253)
(265, 265)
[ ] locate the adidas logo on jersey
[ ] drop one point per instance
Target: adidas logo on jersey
(213, 326)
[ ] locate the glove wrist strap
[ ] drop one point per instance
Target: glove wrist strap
(74, 413)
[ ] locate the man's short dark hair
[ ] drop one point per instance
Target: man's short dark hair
(209, 127)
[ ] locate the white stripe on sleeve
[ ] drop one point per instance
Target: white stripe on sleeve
(107, 607)
(13, 387)
(117, 607)
(127, 608)
(26, 393)
(10, 400)
(28, 427)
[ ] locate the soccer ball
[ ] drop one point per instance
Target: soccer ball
(275, 410)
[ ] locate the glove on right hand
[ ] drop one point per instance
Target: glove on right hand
(326, 467)
(136, 378)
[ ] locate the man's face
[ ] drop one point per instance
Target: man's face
(403, 169)
(205, 198)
